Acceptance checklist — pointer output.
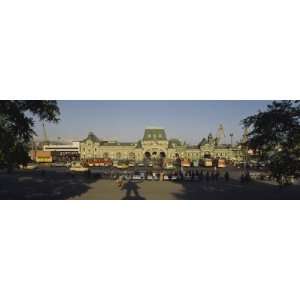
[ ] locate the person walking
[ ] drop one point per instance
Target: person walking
(247, 177)
(192, 176)
(242, 178)
(217, 175)
(226, 176)
(207, 176)
(213, 175)
(120, 181)
(201, 176)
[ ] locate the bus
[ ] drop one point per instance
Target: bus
(207, 162)
(221, 163)
(122, 164)
(168, 164)
(185, 163)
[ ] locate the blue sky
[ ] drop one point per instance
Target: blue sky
(126, 120)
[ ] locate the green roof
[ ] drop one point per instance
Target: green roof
(151, 134)
(91, 137)
(174, 143)
(139, 144)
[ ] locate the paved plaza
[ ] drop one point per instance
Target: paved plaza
(61, 184)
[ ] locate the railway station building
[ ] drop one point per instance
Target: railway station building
(155, 144)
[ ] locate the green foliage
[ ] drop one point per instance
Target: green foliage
(275, 135)
(16, 127)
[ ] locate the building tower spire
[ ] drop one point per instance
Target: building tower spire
(220, 134)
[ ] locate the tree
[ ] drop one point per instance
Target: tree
(274, 134)
(16, 127)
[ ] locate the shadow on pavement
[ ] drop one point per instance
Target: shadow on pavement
(38, 185)
(132, 192)
(234, 190)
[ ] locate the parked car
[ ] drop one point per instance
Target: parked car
(149, 177)
(108, 162)
(29, 166)
(174, 178)
(122, 165)
(138, 176)
(166, 177)
(169, 165)
(155, 176)
(77, 166)
(131, 164)
(58, 164)
(68, 164)
(90, 163)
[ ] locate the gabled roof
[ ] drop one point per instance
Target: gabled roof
(153, 133)
(91, 137)
(174, 143)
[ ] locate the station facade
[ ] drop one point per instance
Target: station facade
(155, 144)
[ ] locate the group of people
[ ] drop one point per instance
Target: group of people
(207, 176)
(214, 175)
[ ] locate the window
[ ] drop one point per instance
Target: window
(154, 136)
(160, 136)
(149, 136)
(131, 155)
(95, 149)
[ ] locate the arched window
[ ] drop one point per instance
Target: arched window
(162, 154)
(131, 156)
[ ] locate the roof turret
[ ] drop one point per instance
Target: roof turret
(154, 133)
